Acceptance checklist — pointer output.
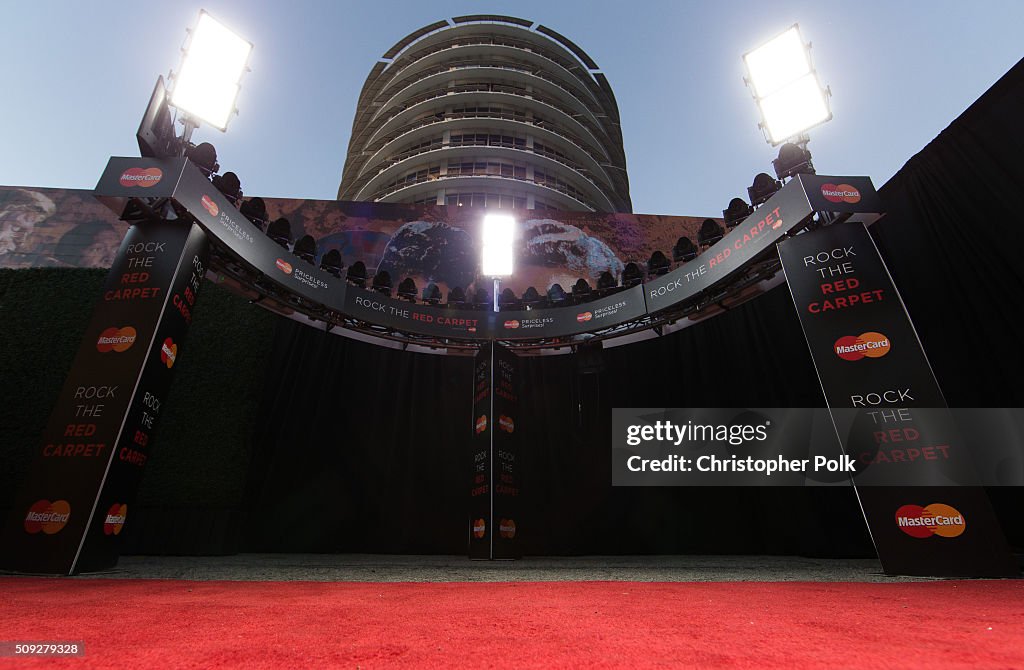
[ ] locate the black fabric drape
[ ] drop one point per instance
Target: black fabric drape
(361, 448)
(952, 240)
(358, 448)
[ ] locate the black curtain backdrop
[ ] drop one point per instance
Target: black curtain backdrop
(365, 449)
(952, 240)
(361, 448)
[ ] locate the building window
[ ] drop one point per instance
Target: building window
(487, 140)
(493, 168)
(492, 200)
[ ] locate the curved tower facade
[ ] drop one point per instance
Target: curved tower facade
(488, 111)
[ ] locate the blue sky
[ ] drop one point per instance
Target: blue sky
(76, 77)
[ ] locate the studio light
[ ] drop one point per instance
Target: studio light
(606, 283)
(658, 264)
(407, 289)
(785, 86)
(710, 233)
(204, 156)
(229, 185)
(631, 275)
(763, 188)
(356, 274)
(497, 252)
(479, 299)
(557, 294)
(382, 282)
(581, 291)
(255, 210)
(793, 159)
(532, 298)
(456, 297)
(498, 236)
(280, 231)
(737, 210)
(305, 248)
(206, 87)
(684, 250)
(508, 301)
(432, 294)
(331, 263)
(156, 130)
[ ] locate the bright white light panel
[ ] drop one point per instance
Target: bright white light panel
(207, 87)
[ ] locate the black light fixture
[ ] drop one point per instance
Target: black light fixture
(407, 289)
(305, 248)
(331, 263)
(356, 274)
(606, 283)
(557, 294)
(764, 187)
(532, 298)
(684, 250)
(793, 159)
(581, 290)
(737, 210)
(631, 275)
(382, 282)
(255, 210)
(280, 231)
(658, 264)
(205, 158)
(456, 297)
(156, 130)
(508, 300)
(710, 233)
(229, 185)
(432, 294)
(481, 299)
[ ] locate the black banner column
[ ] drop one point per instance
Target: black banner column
(927, 515)
(494, 491)
(76, 498)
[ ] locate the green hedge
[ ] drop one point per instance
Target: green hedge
(201, 448)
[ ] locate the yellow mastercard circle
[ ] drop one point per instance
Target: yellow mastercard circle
(949, 521)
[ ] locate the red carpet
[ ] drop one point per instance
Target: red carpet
(176, 624)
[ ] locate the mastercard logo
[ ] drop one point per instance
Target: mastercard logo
(116, 339)
(48, 517)
(840, 193)
(507, 528)
(479, 528)
(481, 424)
(168, 352)
(935, 519)
(506, 423)
(584, 317)
(284, 266)
(865, 345)
(512, 323)
(141, 177)
(114, 520)
(209, 205)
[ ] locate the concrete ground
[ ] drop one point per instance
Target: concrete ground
(396, 568)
